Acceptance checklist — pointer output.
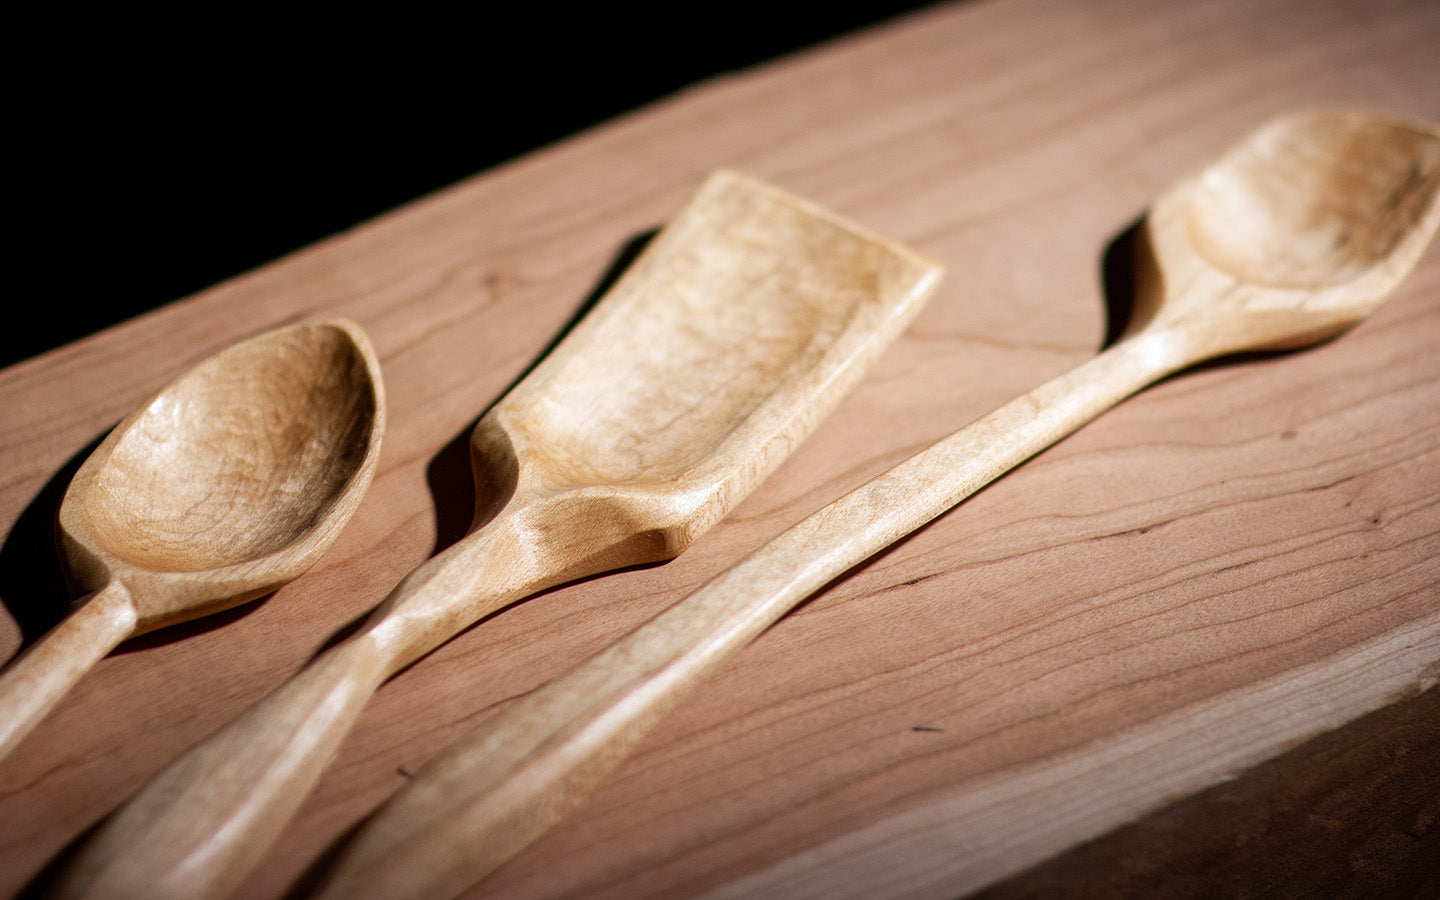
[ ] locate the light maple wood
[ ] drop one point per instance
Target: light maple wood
(228, 482)
(733, 334)
(1289, 238)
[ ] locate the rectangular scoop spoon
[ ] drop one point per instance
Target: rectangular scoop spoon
(736, 330)
(1292, 236)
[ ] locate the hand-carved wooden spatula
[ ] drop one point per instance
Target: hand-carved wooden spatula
(736, 330)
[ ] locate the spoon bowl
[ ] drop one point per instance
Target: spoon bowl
(1294, 234)
(234, 478)
(229, 482)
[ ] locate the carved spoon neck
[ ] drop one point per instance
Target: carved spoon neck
(456, 588)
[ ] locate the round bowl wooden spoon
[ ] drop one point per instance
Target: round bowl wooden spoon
(1289, 238)
(230, 481)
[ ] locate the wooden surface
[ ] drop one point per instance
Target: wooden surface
(1240, 559)
(1300, 184)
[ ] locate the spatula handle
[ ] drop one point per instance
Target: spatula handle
(496, 790)
(203, 823)
(45, 672)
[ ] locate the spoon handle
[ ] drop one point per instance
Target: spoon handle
(36, 681)
(497, 789)
(200, 826)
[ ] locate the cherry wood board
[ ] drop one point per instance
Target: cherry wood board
(1240, 560)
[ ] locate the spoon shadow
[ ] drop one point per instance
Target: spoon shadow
(36, 593)
(1121, 262)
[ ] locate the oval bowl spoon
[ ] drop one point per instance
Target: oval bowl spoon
(1292, 236)
(721, 347)
(229, 482)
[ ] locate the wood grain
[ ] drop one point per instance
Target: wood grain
(1235, 561)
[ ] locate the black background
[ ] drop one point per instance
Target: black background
(156, 157)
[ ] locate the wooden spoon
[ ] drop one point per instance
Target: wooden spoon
(229, 482)
(736, 330)
(1289, 238)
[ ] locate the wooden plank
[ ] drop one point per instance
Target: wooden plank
(1237, 560)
